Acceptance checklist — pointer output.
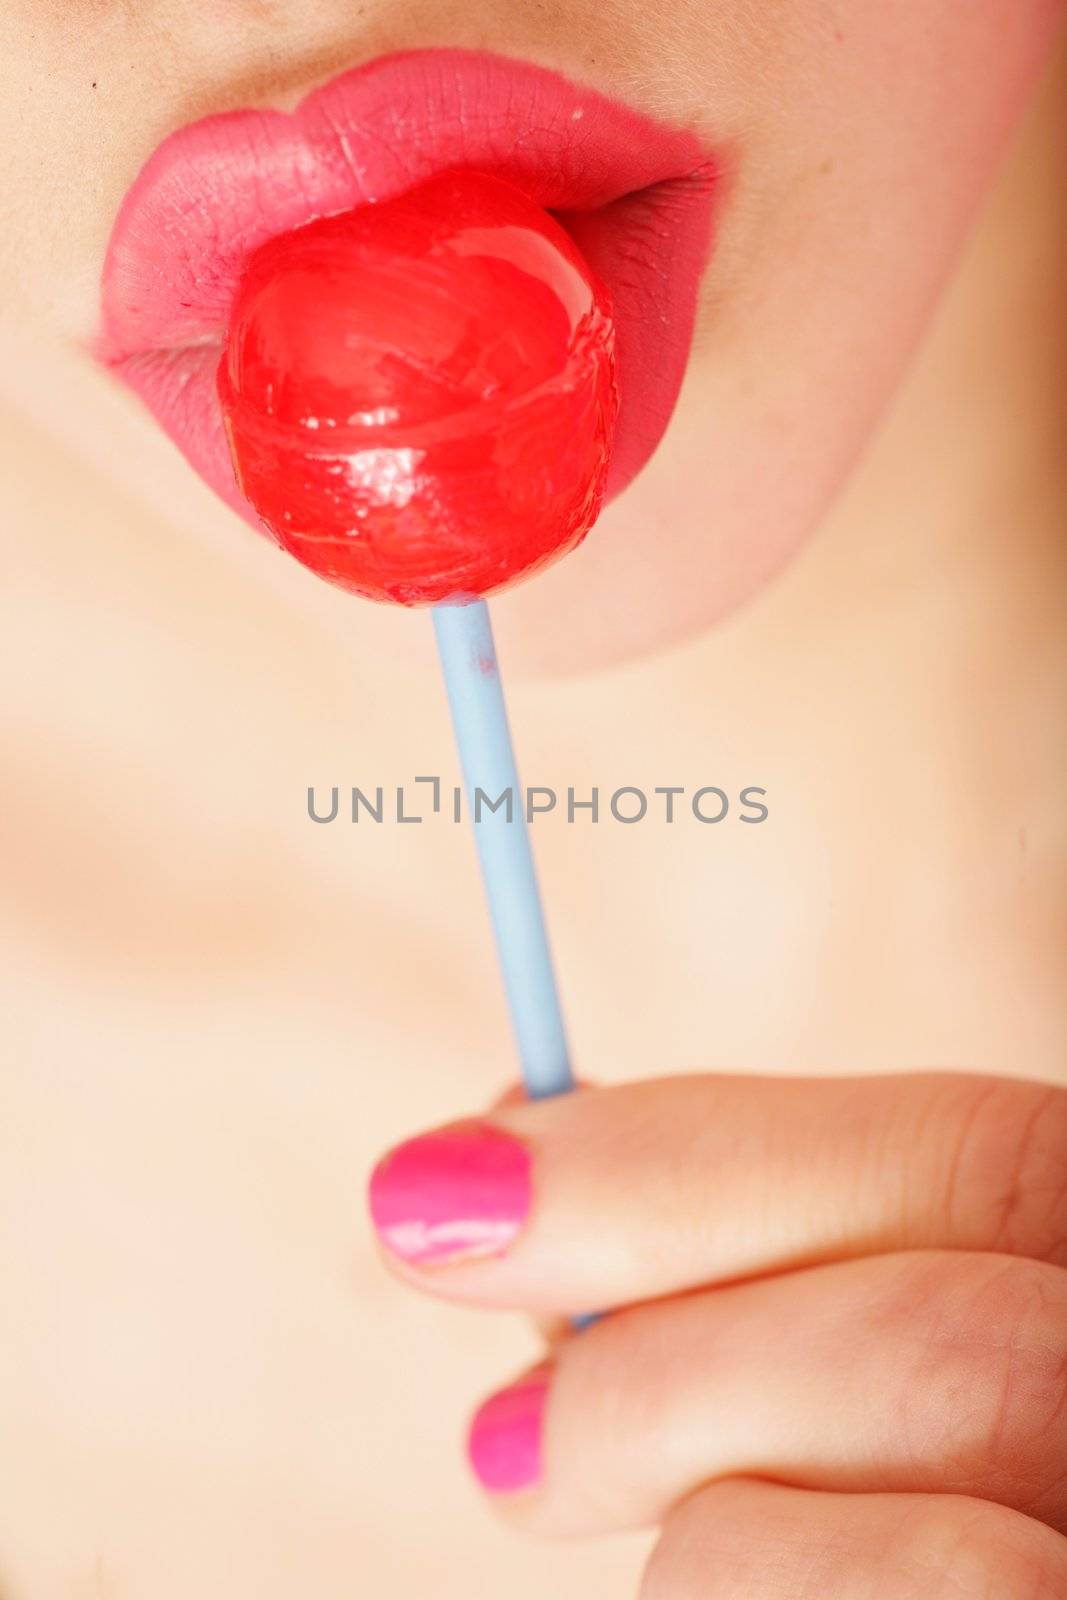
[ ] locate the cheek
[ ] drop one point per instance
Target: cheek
(859, 151)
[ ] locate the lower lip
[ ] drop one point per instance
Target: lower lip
(638, 197)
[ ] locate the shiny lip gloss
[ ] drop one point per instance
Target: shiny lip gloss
(637, 196)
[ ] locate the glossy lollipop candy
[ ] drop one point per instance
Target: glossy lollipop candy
(419, 394)
(419, 398)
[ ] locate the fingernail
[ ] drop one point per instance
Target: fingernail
(454, 1195)
(504, 1444)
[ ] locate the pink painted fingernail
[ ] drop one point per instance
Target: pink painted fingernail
(504, 1444)
(454, 1195)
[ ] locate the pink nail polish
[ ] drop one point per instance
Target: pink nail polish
(454, 1195)
(504, 1444)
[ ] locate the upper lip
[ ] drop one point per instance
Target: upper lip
(637, 195)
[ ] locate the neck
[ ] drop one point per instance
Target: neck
(902, 688)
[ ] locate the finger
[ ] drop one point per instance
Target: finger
(552, 1328)
(616, 1195)
(912, 1373)
(761, 1541)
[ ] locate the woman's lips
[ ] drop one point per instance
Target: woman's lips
(638, 197)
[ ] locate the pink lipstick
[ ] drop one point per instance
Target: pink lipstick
(636, 196)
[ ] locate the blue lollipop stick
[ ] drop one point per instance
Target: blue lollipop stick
(480, 719)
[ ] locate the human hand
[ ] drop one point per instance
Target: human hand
(835, 1364)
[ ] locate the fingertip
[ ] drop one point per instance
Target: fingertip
(460, 1193)
(505, 1437)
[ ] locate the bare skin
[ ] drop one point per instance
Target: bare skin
(219, 1015)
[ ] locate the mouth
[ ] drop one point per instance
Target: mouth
(637, 196)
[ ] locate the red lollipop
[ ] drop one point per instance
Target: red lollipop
(419, 395)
